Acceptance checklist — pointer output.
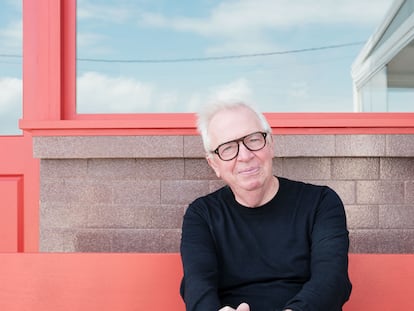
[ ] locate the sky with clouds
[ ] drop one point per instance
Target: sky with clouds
(172, 56)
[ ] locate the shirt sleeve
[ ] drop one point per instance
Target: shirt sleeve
(199, 284)
(329, 286)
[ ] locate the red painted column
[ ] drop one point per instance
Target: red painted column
(42, 59)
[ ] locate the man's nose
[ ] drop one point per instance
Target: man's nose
(244, 153)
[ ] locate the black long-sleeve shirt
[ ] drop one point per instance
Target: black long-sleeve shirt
(291, 252)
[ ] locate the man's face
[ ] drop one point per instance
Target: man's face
(250, 170)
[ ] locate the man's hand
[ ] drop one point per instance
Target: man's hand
(242, 307)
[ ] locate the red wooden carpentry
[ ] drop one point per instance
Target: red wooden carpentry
(131, 282)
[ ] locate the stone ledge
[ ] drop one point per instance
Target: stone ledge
(71, 147)
(81, 147)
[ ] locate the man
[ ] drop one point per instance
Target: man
(262, 242)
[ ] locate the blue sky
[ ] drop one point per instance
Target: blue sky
(173, 56)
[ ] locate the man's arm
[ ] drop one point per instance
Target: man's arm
(199, 285)
(329, 286)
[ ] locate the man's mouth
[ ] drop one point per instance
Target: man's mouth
(249, 171)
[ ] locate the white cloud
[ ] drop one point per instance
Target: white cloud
(250, 25)
(98, 93)
(242, 26)
(299, 90)
(11, 95)
(154, 20)
(235, 90)
(233, 17)
(105, 12)
(10, 105)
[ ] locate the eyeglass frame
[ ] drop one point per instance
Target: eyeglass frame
(238, 140)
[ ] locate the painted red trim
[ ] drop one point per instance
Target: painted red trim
(68, 42)
(11, 186)
(20, 213)
(42, 59)
(145, 281)
(175, 124)
(16, 161)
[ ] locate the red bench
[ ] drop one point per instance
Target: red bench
(135, 282)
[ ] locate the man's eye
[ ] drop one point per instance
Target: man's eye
(253, 139)
(227, 149)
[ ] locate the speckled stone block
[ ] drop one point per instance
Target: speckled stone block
(344, 188)
(75, 191)
(382, 241)
(78, 147)
(400, 145)
(93, 240)
(304, 145)
(146, 241)
(363, 241)
(59, 215)
(63, 168)
(164, 168)
(362, 216)
(396, 217)
(57, 240)
(198, 169)
(396, 241)
(193, 147)
(360, 145)
(139, 192)
(397, 168)
(111, 216)
(355, 168)
(114, 169)
(159, 217)
(182, 191)
(380, 192)
(307, 168)
(409, 192)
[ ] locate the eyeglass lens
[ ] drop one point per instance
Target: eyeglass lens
(230, 150)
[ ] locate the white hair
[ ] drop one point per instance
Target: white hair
(209, 110)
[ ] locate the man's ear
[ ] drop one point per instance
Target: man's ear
(213, 165)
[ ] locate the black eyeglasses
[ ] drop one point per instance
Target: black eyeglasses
(229, 150)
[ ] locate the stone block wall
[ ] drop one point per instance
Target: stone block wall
(129, 193)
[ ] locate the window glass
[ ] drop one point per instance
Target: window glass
(400, 99)
(171, 56)
(11, 86)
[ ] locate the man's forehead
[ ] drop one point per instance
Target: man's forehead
(218, 137)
